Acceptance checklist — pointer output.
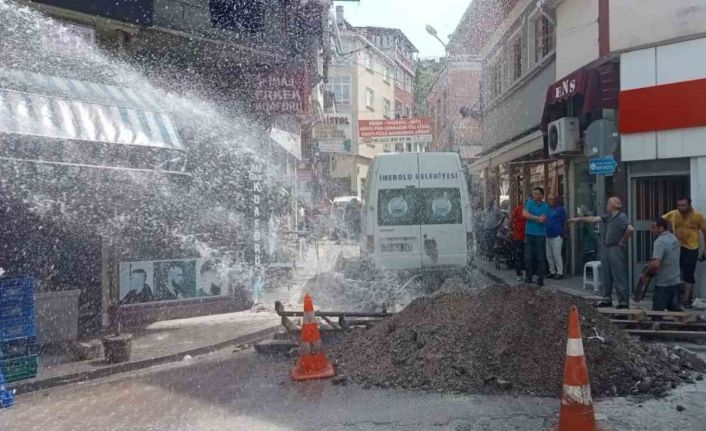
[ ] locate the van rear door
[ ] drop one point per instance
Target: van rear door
(443, 228)
(397, 234)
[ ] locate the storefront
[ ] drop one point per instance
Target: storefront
(584, 96)
(663, 135)
(72, 157)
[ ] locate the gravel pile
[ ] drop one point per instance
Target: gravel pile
(504, 340)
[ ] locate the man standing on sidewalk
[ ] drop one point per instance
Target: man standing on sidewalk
(536, 212)
(555, 238)
(664, 267)
(617, 231)
(687, 223)
(518, 223)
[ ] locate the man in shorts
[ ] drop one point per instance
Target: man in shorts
(687, 223)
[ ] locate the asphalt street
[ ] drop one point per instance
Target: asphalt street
(241, 390)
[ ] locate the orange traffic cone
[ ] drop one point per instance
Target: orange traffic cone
(312, 363)
(576, 413)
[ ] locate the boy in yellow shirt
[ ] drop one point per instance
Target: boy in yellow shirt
(687, 223)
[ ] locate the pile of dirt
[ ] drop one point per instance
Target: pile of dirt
(504, 340)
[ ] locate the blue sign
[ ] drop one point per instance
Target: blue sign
(602, 165)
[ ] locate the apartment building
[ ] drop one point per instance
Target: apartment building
(370, 79)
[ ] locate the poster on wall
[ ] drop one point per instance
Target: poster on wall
(165, 280)
(334, 134)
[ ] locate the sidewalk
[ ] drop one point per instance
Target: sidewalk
(158, 343)
(171, 340)
(570, 284)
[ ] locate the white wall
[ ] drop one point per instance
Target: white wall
(637, 23)
(576, 35)
(657, 66)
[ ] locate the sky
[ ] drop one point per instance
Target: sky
(410, 16)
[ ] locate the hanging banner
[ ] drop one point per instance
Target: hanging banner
(404, 130)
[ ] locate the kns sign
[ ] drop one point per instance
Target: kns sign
(566, 87)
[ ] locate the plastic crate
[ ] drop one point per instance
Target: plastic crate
(18, 347)
(17, 328)
(7, 398)
(14, 289)
(17, 309)
(19, 368)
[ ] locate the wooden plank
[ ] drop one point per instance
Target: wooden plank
(327, 320)
(629, 322)
(662, 333)
(288, 325)
(637, 313)
(657, 324)
(682, 316)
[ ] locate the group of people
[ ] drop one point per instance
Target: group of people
(538, 237)
(538, 229)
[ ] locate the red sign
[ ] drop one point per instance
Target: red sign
(663, 107)
(401, 127)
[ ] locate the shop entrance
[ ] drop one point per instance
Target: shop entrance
(651, 198)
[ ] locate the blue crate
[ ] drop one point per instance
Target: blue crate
(17, 328)
(18, 347)
(16, 309)
(20, 288)
(7, 398)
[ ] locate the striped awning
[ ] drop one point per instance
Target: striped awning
(53, 107)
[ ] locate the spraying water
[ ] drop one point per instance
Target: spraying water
(200, 209)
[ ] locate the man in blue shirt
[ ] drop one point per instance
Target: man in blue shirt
(555, 238)
(536, 212)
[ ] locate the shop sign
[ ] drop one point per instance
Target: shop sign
(564, 88)
(165, 280)
(334, 134)
(280, 93)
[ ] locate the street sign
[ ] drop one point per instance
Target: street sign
(602, 165)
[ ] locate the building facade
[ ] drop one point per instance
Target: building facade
(517, 47)
(370, 79)
(662, 125)
(132, 169)
(618, 94)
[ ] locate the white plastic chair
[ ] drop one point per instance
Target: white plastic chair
(595, 281)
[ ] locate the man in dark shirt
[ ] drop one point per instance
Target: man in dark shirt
(617, 231)
(140, 291)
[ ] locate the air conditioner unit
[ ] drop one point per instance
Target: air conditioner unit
(563, 136)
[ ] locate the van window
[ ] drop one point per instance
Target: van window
(403, 207)
(397, 207)
(441, 206)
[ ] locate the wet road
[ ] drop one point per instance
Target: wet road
(244, 391)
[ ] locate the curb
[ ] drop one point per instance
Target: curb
(83, 376)
(496, 278)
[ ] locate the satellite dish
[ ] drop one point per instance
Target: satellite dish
(601, 138)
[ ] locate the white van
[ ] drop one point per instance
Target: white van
(417, 212)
